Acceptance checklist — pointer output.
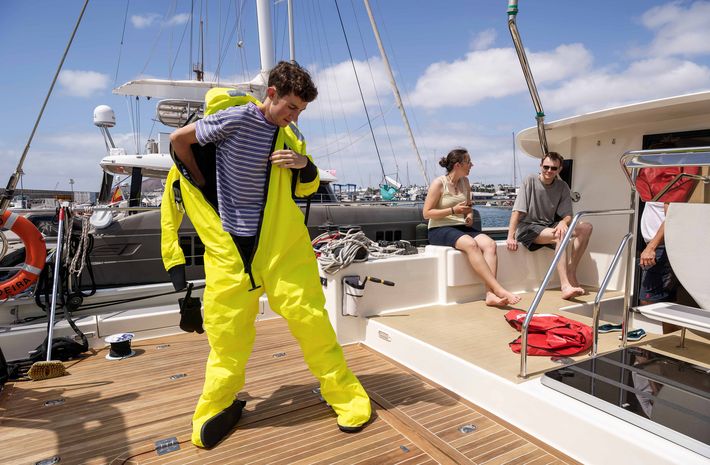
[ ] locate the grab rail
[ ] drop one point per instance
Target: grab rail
(602, 289)
(538, 296)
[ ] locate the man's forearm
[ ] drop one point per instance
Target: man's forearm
(181, 141)
(514, 220)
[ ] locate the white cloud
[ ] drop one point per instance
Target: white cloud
(338, 91)
(178, 19)
(642, 80)
(483, 39)
(355, 159)
(494, 73)
(678, 30)
(144, 21)
(82, 83)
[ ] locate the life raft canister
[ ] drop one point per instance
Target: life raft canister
(35, 254)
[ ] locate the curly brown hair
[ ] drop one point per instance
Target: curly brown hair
(291, 78)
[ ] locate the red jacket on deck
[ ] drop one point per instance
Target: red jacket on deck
(551, 334)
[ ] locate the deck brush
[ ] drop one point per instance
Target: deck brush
(46, 370)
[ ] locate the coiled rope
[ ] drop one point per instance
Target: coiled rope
(337, 250)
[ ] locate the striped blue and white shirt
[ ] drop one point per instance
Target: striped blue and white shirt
(243, 138)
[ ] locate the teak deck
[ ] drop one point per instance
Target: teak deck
(114, 411)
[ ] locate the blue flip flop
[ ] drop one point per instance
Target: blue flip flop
(635, 335)
(607, 328)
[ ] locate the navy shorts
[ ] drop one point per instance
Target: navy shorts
(527, 233)
(448, 235)
(658, 283)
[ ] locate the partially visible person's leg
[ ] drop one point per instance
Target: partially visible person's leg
(490, 255)
(230, 310)
(294, 291)
(496, 294)
(547, 236)
(659, 284)
(582, 233)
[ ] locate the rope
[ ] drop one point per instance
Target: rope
(336, 251)
(79, 260)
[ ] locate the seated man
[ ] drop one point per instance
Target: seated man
(535, 222)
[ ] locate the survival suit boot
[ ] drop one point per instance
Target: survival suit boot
(217, 427)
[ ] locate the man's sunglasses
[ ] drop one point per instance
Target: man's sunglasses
(550, 168)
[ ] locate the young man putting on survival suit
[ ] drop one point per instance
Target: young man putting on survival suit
(256, 242)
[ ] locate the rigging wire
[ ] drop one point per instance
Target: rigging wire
(374, 86)
(120, 48)
(240, 41)
(316, 39)
(170, 10)
(318, 15)
(374, 140)
(392, 54)
(224, 41)
(177, 52)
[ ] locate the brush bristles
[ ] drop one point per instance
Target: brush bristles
(46, 370)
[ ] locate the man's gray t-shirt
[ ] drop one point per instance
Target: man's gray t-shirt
(543, 204)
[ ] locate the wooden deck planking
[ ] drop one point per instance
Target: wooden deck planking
(114, 411)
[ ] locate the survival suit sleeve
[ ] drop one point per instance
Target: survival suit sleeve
(170, 219)
(308, 179)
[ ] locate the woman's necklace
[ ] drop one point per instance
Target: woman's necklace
(455, 186)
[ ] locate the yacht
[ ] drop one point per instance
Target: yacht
(445, 385)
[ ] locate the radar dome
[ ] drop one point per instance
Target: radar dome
(104, 117)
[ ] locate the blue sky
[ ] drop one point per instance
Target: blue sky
(453, 60)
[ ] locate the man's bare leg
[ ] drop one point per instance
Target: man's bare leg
(582, 233)
(569, 291)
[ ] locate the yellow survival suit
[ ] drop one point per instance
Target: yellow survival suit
(283, 266)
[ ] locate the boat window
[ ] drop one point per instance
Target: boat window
(566, 174)
(324, 194)
(390, 236)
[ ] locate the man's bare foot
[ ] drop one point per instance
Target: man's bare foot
(570, 292)
(493, 300)
(575, 283)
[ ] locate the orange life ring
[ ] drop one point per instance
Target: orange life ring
(35, 254)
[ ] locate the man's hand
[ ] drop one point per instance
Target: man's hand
(288, 159)
(469, 219)
(648, 257)
(512, 244)
(560, 230)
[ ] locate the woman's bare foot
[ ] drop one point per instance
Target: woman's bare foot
(570, 292)
(493, 300)
(512, 298)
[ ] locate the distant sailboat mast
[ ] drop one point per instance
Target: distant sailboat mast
(395, 90)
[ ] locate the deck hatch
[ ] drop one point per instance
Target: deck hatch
(49, 461)
(168, 445)
(53, 402)
(663, 395)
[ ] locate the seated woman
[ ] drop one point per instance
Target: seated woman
(448, 209)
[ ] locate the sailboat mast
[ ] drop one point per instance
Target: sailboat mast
(291, 41)
(266, 36)
(397, 97)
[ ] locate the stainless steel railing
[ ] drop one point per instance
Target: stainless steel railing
(538, 296)
(602, 290)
